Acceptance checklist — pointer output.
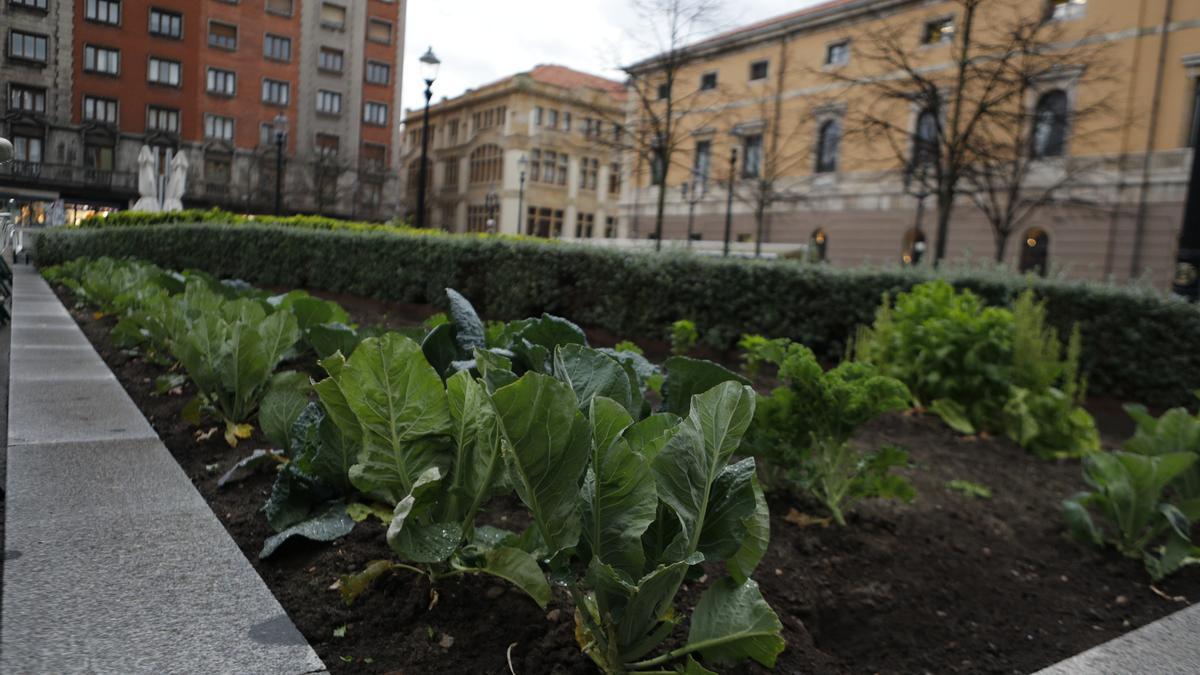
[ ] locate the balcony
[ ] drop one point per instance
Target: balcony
(65, 176)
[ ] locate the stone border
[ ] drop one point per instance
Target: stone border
(1169, 646)
(113, 561)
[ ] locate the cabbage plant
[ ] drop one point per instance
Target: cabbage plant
(627, 509)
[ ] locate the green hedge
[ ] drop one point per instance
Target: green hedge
(1137, 346)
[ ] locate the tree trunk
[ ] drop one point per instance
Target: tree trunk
(1001, 245)
(945, 206)
(760, 217)
(661, 208)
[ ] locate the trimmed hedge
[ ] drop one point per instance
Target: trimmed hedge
(1137, 346)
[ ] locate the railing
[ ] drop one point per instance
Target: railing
(51, 176)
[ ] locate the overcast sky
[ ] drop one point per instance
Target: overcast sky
(480, 41)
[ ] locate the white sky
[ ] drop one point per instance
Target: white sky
(480, 41)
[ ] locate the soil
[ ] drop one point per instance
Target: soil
(944, 584)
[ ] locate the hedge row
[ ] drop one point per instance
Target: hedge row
(1138, 346)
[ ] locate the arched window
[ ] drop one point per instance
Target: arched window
(828, 138)
(487, 164)
(1050, 124)
(818, 245)
(913, 247)
(1035, 251)
(925, 137)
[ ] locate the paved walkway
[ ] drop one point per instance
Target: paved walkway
(113, 562)
(1169, 646)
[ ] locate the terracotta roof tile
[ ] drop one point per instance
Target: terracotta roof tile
(561, 76)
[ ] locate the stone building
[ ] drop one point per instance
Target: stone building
(87, 83)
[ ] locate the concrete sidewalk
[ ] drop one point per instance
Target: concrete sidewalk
(1169, 646)
(113, 562)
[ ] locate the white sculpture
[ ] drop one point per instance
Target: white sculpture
(176, 183)
(147, 181)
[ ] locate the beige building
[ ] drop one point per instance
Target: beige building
(788, 93)
(534, 152)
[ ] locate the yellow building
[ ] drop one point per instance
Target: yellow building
(795, 96)
(538, 142)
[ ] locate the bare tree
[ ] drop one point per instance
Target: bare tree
(965, 129)
(661, 101)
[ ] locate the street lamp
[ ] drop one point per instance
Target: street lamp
(729, 201)
(523, 164)
(491, 202)
(280, 126)
(429, 72)
(692, 194)
(6, 151)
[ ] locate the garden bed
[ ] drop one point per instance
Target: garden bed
(948, 583)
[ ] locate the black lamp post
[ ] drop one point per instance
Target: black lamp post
(429, 72)
(729, 201)
(916, 173)
(691, 194)
(280, 126)
(523, 163)
(492, 202)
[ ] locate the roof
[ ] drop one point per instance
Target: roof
(782, 20)
(561, 76)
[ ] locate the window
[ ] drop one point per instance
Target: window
(701, 164)
(329, 102)
(708, 81)
(98, 157)
(1063, 10)
(27, 46)
(103, 11)
(332, 60)
(544, 222)
(379, 31)
(276, 92)
(222, 35)
(664, 92)
(477, 217)
(218, 170)
(281, 7)
(218, 127)
(162, 71)
(162, 119)
(374, 156)
(585, 225)
(926, 146)
(589, 173)
(333, 16)
(452, 132)
(26, 99)
(566, 119)
(838, 53)
(1035, 251)
(327, 145)
(378, 73)
(538, 115)
(938, 31)
(614, 178)
(610, 228)
(1050, 125)
(96, 109)
(450, 174)
(166, 24)
(222, 82)
(101, 60)
(552, 119)
(375, 113)
(27, 149)
(752, 156)
(758, 70)
(277, 47)
(31, 4)
(829, 136)
(486, 119)
(1195, 135)
(486, 164)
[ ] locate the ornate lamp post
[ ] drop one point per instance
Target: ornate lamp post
(1187, 279)
(429, 72)
(491, 202)
(6, 151)
(523, 163)
(729, 201)
(280, 125)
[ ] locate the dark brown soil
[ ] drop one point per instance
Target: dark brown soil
(945, 584)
